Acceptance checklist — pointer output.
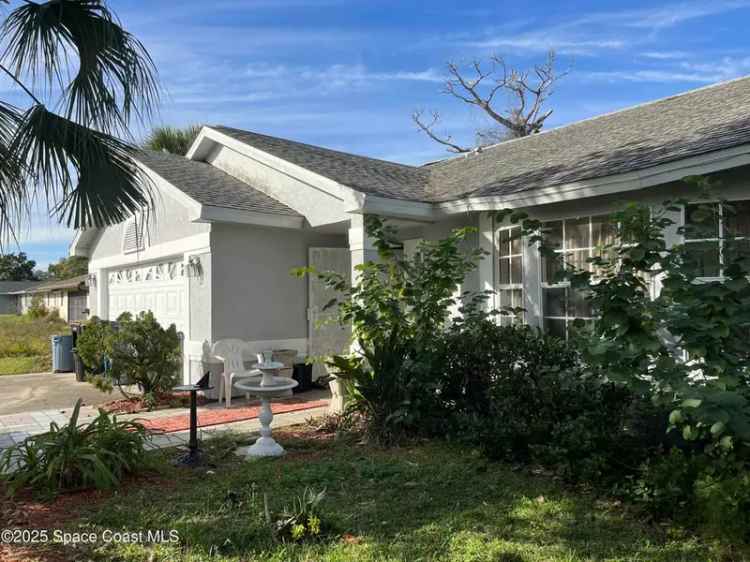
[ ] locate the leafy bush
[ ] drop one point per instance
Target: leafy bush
(686, 349)
(710, 491)
(72, 457)
(37, 308)
(398, 308)
(93, 344)
(53, 315)
(143, 353)
(522, 395)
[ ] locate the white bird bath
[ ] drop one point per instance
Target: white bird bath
(267, 386)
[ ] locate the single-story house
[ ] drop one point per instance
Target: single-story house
(68, 296)
(241, 209)
(9, 295)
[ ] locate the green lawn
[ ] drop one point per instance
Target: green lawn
(430, 501)
(25, 343)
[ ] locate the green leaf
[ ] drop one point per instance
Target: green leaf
(717, 428)
(692, 403)
(675, 417)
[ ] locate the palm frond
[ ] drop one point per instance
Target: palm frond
(13, 199)
(172, 139)
(116, 77)
(109, 186)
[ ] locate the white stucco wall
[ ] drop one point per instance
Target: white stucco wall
(254, 296)
(167, 222)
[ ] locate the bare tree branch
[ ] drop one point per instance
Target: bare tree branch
(527, 90)
(427, 128)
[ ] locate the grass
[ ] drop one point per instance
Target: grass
(430, 501)
(25, 343)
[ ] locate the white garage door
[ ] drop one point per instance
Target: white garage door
(160, 287)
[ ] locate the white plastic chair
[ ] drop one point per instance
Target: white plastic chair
(230, 353)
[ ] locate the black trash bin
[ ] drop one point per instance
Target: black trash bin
(302, 373)
(77, 330)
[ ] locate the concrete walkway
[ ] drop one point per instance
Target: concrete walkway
(14, 428)
(47, 392)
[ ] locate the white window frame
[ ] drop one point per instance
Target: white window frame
(719, 241)
(505, 319)
(546, 285)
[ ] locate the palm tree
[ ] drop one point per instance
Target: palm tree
(73, 56)
(172, 139)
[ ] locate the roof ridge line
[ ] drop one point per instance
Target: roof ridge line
(318, 147)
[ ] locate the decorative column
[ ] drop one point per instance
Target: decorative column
(487, 265)
(362, 250)
(361, 245)
(101, 294)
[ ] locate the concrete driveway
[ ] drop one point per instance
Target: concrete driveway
(47, 391)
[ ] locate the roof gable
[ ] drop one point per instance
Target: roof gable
(210, 186)
(363, 174)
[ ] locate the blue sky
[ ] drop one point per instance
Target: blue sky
(347, 74)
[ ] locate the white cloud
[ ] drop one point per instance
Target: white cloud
(650, 76)
(340, 75)
(601, 31)
(542, 42)
(665, 55)
(675, 14)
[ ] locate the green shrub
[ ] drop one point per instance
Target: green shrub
(37, 308)
(521, 395)
(97, 455)
(707, 491)
(93, 344)
(397, 309)
(143, 353)
(53, 315)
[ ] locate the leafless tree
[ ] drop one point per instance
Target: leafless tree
(528, 91)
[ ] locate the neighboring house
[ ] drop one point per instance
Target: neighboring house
(241, 209)
(69, 297)
(9, 298)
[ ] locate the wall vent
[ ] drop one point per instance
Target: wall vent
(133, 235)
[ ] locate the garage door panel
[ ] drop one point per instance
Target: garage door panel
(159, 287)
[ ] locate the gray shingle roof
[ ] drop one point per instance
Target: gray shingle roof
(361, 173)
(78, 282)
(689, 124)
(210, 186)
(15, 286)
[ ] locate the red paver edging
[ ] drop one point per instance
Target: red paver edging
(206, 418)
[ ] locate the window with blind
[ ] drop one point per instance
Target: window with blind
(510, 273)
(714, 232)
(574, 241)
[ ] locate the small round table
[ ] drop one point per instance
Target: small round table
(193, 456)
(265, 387)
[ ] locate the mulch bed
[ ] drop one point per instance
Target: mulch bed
(25, 511)
(164, 400)
(181, 422)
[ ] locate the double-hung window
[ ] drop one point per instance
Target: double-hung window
(573, 242)
(510, 272)
(713, 231)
